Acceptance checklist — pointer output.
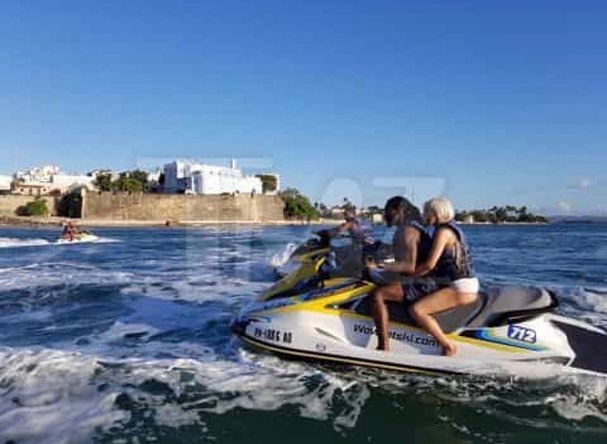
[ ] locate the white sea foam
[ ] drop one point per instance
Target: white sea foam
(8, 242)
(585, 303)
(283, 256)
(96, 240)
(57, 273)
(229, 385)
(49, 396)
(595, 299)
(120, 330)
(200, 288)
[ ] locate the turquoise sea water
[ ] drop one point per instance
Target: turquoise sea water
(127, 341)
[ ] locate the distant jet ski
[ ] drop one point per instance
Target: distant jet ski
(83, 236)
(327, 317)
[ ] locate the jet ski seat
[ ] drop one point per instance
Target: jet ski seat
(504, 305)
(495, 306)
(449, 320)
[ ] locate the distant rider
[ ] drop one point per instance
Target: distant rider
(70, 231)
(357, 228)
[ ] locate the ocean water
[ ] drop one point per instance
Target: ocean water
(127, 341)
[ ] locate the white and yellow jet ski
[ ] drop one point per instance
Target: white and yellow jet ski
(312, 249)
(322, 244)
(306, 315)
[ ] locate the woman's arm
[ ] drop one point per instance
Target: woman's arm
(441, 240)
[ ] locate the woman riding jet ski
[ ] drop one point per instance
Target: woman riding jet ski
(324, 312)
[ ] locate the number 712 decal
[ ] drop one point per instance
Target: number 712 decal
(522, 334)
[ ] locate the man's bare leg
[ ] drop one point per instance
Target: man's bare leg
(393, 292)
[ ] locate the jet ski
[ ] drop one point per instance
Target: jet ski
(312, 314)
(322, 245)
(311, 250)
(82, 237)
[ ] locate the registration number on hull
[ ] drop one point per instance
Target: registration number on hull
(270, 334)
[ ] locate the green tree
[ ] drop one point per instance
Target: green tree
(269, 183)
(131, 182)
(480, 216)
(141, 177)
(502, 214)
(37, 208)
(297, 206)
(103, 182)
(348, 205)
(460, 216)
(522, 215)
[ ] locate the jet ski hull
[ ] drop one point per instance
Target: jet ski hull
(325, 325)
(86, 238)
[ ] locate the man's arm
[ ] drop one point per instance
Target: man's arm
(341, 227)
(408, 264)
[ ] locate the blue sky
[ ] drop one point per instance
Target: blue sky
(486, 102)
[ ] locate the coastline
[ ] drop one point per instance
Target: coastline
(52, 221)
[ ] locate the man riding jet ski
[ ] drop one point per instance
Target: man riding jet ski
(71, 233)
(324, 311)
(358, 231)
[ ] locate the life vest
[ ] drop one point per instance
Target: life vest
(425, 239)
(454, 263)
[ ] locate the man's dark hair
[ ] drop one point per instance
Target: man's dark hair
(399, 203)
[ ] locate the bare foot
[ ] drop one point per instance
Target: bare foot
(383, 347)
(449, 349)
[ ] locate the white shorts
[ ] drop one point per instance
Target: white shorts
(467, 285)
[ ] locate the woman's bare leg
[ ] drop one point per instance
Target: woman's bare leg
(379, 310)
(442, 300)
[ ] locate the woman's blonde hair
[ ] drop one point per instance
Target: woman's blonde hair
(442, 209)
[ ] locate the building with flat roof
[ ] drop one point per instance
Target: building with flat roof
(5, 184)
(49, 179)
(198, 178)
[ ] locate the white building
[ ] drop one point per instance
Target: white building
(66, 182)
(198, 178)
(176, 178)
(49, 179)
(42, 174)
(154, 177)
(5, 184)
